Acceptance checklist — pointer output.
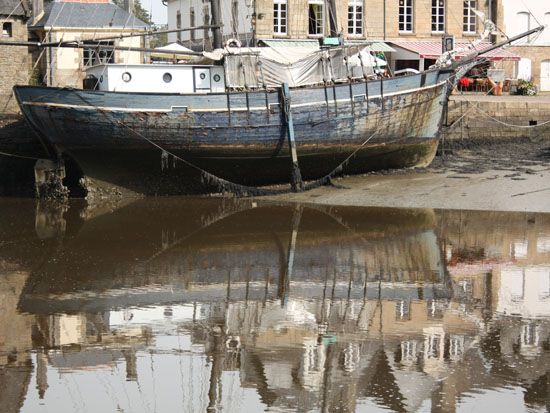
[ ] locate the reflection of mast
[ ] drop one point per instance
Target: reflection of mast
(284, 280)
(41, 373)
(216, 357)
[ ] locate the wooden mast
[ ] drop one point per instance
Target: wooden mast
(216, 19)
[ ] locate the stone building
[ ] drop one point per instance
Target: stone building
(520, 16)
(84, 21)
(14, 61)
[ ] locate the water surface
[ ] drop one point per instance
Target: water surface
(166, 305)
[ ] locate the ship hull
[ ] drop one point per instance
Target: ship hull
(164, 144)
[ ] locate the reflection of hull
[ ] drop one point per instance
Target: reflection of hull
(116, 138)
(179, 255)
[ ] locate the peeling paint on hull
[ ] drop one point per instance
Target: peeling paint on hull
(133, 141)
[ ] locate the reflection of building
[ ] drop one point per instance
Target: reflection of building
(235, 325)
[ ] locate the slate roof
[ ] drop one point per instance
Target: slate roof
(87, 15)
(8, 7)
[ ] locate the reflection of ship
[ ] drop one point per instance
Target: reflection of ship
(218, 314)
(126, 251)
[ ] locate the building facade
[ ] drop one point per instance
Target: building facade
(237, 17)
(14, 61)
(71, 20)
(520, 16)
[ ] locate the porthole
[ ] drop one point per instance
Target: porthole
(126, 76)
(101, 79)
(217, 78)
(167, 77)
(202, 76)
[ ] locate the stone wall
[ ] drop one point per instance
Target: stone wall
(15, 65)
(373, 19)
(498, 117)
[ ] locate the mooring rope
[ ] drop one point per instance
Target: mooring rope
(223, 184)
(14, 155)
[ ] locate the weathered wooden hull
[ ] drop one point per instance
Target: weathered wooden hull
(159, 144)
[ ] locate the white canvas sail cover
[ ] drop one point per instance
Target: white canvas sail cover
(271, 66)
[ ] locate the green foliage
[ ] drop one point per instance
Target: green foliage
(139, 11)
(36, 78)
(157, 40)
(526, 88)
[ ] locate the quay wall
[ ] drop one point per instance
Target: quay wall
(498, 117)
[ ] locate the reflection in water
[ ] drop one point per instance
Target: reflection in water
(224, 305)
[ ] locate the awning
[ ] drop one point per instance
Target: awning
(160, 52)
(432, 50)
(372, 46)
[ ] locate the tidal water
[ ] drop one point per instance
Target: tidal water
(190, 305)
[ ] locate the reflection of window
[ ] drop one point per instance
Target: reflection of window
(456, 346)
(409, 350)
(7, 30)
(433, 349)
(518, 249)
(279, 16)
(469, 18)
(403, 310)
(438, 16)
(529, 335)
(405, 15)
(96, 55)
(543, 243)
(515, 284)
(435, 310)
(355, 17)
(316, 17)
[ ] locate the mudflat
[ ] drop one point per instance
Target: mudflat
(474, 175)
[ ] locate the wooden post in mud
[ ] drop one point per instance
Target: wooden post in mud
(296, 177)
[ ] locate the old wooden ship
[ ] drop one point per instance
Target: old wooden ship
(244, 120)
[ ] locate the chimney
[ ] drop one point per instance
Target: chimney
(129, 6)
(37, 10)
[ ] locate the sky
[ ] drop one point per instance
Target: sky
(157, 9)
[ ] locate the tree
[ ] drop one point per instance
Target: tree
(139, 11)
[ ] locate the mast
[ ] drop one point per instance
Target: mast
(216, 20)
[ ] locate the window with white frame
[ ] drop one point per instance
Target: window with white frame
(316, 16)
(406, 16)
(438, 16)
(355, 17)
(469, 18)
(280, 16)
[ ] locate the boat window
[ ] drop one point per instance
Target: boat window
(126, 76)
(167, 77)
(217, 78)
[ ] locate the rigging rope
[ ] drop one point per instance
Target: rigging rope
(223, 184)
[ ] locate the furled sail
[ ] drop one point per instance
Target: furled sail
(270, 66)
